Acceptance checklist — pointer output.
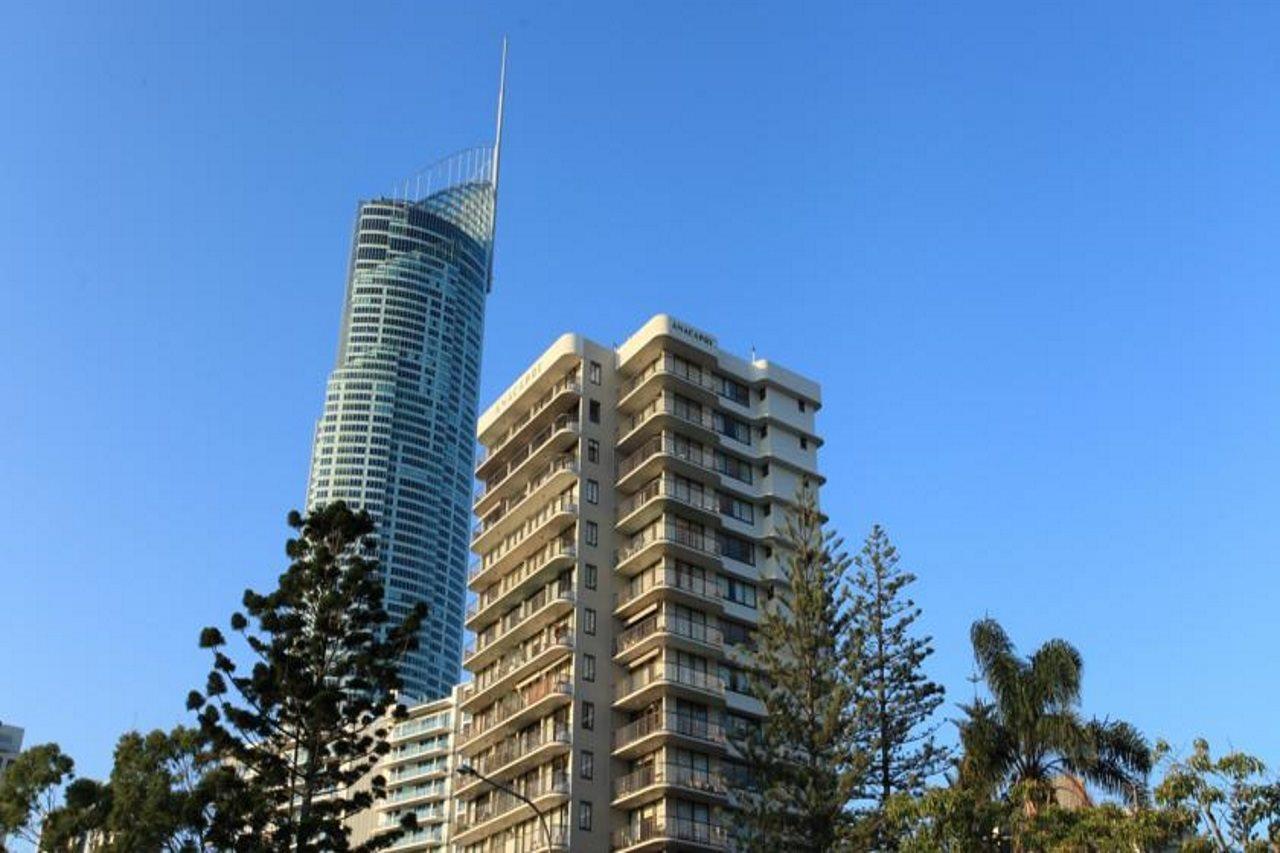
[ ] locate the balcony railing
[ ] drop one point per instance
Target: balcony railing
(512, 704)
(501, 802)
(666, 443)
(663, 623)
(670, 722)
(667, 404)
(511, 580)
(568, 384)
(665, 577)
(680, 491)
(566, 462)
(667, 773)
(561, 504)
(667, 672)
(515, 748)
(689, 831)
(672, 533)
(491, 675)
(549, 594)
(494, 478)
(669, 365)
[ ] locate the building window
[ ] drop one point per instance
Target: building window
(588, 715)
(586, 764)
(593, 492)
(801, 402)
(593, 411)
(590, 571)
(588, 667)
(593, 450)
(593, 533)
(584, 815)
(593, 372)
(588, 621)
(804, 443)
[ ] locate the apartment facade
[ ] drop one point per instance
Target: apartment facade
(10, 745)
(419, 772)
(630, 517)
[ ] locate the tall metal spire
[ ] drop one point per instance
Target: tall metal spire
(497, 162)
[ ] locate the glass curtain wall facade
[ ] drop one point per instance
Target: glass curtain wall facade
(397, 433)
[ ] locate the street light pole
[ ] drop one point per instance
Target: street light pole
(468, 770)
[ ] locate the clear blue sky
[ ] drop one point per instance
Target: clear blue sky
(1030, 252)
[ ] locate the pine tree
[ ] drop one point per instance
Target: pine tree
(803, 763)
(898, 696)
(309, 720)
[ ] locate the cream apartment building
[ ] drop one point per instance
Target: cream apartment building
(631, 510)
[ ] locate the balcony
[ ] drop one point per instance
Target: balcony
(654, 729)
(642, 686)
(502, 809)
(528, 423)
(500, 480)
(535, 570)
(641, 508)
(660, 372)
(665, 453)
(665, 582)
(438, 722)
(653, 781)
(499, 520)
(515, 709)
(536, 613)
(690, 545)
(658, 833)
(524, 540)
(515, 756)
(662, 629)
(526, 660)
(665, 411)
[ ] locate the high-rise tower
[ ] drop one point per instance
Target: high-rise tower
(397, 433)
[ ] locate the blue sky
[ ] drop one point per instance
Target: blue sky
(1029, 251)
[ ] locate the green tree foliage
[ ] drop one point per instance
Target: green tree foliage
(1229, 798)
(803, 764)
(29, 790)
(1031, 730)
(306, 724)
(160, 797)
(897, 695)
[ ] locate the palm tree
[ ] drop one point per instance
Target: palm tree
(1031, 731)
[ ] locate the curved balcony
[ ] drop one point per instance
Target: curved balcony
(503, 809)
(663, 372)
(655, 781)
(663, 629)
(660, 833)
(399, 755)
(533, 533)
(407, 774)
(642, 508)
(514, 710)
(664, 582)
(501, 481)
(537, 415)
(665, 412)
(656, 729)
(557, 475)
(536, 570)
(508, 671)
(641, 687)
(663, 453)
(644, 548)
(406, 797)
(543, 609)
(515, 756)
